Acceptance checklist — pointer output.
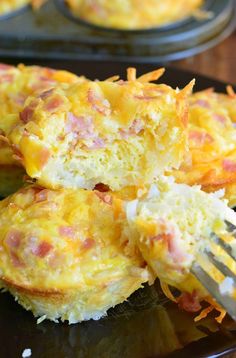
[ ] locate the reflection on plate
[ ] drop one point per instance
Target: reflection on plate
(147, 325)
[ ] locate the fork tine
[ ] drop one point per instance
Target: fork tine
(227, 302)
(220, 265)
(224, 246)
(231, 227)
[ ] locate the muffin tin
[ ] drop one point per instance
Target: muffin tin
(54, 33)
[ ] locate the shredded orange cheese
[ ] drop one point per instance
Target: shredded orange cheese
(230, 91)
(166, 290)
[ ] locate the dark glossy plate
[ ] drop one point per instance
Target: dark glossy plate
(147, 325)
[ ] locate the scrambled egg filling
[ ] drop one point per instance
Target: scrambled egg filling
(116, 133)
(61, 256)
(133, 14)
(172, 225)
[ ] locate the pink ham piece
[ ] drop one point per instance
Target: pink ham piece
(4, 67)
(48, 80)
(82, 126)
(67, 231)
(84, 129)
(229, 166)
(46, 94)
(42, 249)
(200, 138)
(19, 99)
(172, 245)
(16, 261)
(219, 118)
(53, 103)
(41, 195)
(100, 105)
(28, 112)
(13, 239)
(106, 198)
(203, 103)
(8, 77)
(88, 244)
(146, 98)
(135, 128)
(98, 143)
(189, 302)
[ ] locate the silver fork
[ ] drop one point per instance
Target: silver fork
(225, 300)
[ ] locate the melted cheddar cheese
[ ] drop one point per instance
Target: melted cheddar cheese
(211, 160)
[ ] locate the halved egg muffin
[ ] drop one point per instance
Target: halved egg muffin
(61, 255)
(133, 14)
(117, 133)
(16, 84)
(172, 225)
(211, 160)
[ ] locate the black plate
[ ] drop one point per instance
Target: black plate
(148, 325)
(53, 32)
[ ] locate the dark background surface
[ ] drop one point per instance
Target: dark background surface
(218, 62)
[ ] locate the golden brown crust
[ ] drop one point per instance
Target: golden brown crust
(31, 290)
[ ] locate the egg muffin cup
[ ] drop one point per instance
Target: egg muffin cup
(130, 15)
(114, 132)
(211, 161)
(61, 256)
